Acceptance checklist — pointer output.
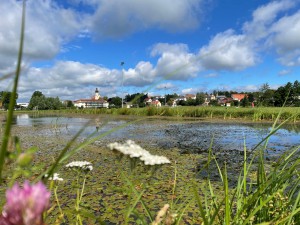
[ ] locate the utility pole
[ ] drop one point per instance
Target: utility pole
(122, 64)
(165, 95)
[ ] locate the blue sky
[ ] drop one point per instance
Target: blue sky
(182, 46)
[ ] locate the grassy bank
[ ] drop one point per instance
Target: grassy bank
(250, 114)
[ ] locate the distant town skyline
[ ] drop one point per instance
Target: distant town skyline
(153, 46)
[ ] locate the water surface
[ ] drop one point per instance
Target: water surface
(188, 136)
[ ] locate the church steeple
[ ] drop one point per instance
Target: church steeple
(97, 95)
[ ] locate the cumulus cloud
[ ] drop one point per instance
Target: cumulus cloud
(264, 16)
(175, 62)
(116, 18)
(228, 51)
(69, 80)
(247, 88)
(284, 72)
(193, 90)
(143, 74)
(48, 26)
(286, 39)
(273, 26)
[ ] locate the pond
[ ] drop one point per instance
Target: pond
(190, 136)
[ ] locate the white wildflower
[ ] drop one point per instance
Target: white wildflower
(131, 149)
(55, 176)
(85, 165)
(155, 160)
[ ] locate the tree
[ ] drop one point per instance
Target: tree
(53, 103)
(266, 96)
(40, 102)
(182, 102)
(286, 95)
(200, 98)
(214, 103)
(115, 101)
(69, 104)
(251, 97)
(245, 102)
(264, 87)
(296, 93)
(37, 102)
(191, 102)
(5, 99)
(37, 94)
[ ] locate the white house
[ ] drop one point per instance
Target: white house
(25, 104)
(95, 102)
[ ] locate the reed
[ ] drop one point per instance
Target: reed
(250, 114)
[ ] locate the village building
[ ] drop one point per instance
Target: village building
(190, 96)
(94, 102)
(238, 97)
(156, 103)
(180, 98)
(225, 102)
(22, 105)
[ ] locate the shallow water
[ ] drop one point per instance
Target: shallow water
(188, 136)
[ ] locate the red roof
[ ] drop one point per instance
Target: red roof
(238, 97)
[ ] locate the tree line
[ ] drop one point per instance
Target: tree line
(286, 95)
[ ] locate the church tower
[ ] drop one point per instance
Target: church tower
(97, 95)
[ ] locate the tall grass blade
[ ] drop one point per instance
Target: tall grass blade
(198, 200)
(141, 200)
(13, 95)
(227, 202)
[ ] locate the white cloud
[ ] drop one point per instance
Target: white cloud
(143, 74)
(116, 18)
(228, 51)
(47, 28)
(175, 62)
(74, 79)
(271, 27)
(264, 16)
(247, 88)
(189, 91)
(286, 39)
(284, 72)
(193, 90)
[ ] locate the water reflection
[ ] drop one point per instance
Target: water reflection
(167, 134)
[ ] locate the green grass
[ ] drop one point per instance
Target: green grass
(230, 113)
